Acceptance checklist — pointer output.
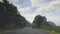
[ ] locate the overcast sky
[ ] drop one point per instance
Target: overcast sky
(30, 8)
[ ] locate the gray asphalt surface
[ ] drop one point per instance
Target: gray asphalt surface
(27, 30)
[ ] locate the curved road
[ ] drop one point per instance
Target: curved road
(27, 30)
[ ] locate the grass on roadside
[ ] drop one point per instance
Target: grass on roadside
(51, 30)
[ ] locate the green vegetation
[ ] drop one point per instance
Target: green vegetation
(10, 18)
(38, 20)
(48, 26)
(52, 30)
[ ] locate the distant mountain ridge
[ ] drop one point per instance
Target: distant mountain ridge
(48, 24)
(51, 23)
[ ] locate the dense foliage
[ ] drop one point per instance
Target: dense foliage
(10, 17)
(38, 20)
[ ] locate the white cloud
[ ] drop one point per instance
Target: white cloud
(1, 1)
(48, 9)
(25, 12)
(45, 7)
(39, 3)
(14, 1)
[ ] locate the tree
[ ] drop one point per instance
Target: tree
(44, 18)
(9, 16)
(38, 20)
(5, 1)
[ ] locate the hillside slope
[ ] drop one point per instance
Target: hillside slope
(10, 17)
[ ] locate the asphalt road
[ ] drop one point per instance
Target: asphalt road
(27, 30)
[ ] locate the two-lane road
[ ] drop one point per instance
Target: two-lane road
(27, 30)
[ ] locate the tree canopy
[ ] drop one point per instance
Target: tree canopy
(9, 16)
(38, 20)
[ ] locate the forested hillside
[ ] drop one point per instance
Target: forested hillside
(10, 17)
